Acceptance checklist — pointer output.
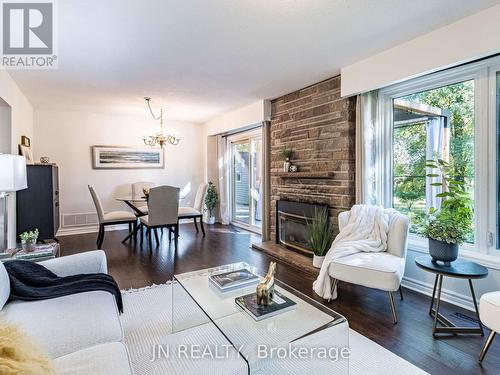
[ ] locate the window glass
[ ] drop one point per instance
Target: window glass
(431, 124)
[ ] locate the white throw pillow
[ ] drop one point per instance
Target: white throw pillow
(4, 285)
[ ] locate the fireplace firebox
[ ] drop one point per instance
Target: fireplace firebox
(291, 224)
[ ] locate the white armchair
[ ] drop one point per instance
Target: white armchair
(383, 270)
(489, 313)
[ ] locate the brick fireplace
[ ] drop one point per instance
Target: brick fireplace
(319, 126)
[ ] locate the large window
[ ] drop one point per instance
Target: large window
(452, 115)
(428, 125)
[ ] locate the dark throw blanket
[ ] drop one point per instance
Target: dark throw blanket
(32, 282)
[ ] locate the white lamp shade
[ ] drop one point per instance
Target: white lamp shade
(12, 173)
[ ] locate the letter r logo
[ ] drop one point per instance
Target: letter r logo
(27, 28)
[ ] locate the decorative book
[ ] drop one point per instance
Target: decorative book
(279, 304)
(233, 279)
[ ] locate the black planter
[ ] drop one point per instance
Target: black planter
(443, 251)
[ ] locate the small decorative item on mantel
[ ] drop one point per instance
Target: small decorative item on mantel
(29, 240)
(293, 168)
(320, 231)
(451, 224)
(211, 199)
(44, 159)
(265, 289)
(286, 154)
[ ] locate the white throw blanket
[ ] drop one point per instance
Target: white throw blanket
(366, 231)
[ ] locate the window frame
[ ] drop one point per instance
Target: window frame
(485, 143)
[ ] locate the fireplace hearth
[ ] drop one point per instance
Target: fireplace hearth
(291, 224)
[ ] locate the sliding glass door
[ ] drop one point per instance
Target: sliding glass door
(246, 180)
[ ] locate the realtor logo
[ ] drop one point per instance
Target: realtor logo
(28, 35)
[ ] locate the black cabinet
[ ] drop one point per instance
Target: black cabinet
(38, 205)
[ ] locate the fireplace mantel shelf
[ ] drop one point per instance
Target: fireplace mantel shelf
(305, 174)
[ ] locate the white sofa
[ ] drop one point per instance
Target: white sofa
(82, 332)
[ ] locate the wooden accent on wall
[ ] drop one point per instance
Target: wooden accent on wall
(319, 126)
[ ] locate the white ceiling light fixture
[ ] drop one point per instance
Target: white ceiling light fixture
(159, 138)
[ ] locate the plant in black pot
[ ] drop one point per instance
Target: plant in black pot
(451, 224)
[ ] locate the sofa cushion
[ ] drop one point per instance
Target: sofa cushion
(489, 310)
(4, 285)
(103, 359)
(374, 270)
(70, 323)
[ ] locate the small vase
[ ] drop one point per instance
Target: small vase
(211, 220)
(318, 261)
(29, 245)
(443, 251)
(286, 165)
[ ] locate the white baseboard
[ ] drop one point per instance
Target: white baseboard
(446, 295)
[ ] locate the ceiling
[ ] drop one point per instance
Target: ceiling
(201, 58)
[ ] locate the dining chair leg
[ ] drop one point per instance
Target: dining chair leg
(150, 239)
(195, 225)
(134, 237)
(101, 236)
(99, 233)
(142, 232)
(202, 228)
(176, 237)
(155, 230)
(130, 227)
(169, 234)
(401, 293)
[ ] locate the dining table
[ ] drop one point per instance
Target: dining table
(136, 203)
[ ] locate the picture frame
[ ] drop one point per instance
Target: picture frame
(118, 157)
(25, 141)
(27, 153)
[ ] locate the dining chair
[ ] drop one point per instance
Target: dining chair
(138, 193)
(196, 211)
(163, 206)
(110, 218)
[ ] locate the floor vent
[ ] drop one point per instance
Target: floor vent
(465, 317)
(78, 220)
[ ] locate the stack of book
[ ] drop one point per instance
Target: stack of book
(227, 281)
(41, 252)
(278, 305)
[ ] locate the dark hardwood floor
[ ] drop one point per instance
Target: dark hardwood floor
(367, 310)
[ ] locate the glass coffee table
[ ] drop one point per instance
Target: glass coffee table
(308, 339)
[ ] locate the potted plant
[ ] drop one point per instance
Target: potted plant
(451, 224)
(320, 231)
(211, 199)
(29, 240)
(286, 154)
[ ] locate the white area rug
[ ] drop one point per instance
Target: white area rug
(147, 323)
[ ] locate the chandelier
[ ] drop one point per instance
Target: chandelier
(159, 138)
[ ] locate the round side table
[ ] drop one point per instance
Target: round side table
(461, 269)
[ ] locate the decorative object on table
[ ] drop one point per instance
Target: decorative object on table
(25, 141)
(293, 168)
(159, 138)
(320, 231)
(44, 160)
(232, 280)
(38, 205)
(145, 191)
(115, 157)
(29, 240)
(211, 199)
(286, 154)
(41, 251)
(451, 224)
(12, 178)
(460, 269)
(277, 305)
(265, 289)
(27, 153)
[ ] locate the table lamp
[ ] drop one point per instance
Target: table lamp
(12, 178)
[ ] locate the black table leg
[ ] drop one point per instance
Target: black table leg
(433, 294)
(448, 327)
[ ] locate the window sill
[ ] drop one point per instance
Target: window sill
(486, 260)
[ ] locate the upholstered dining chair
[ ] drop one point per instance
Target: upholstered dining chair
(195, 212)
(110, 218)
(163, 207)
(380, 270)
(138, 193)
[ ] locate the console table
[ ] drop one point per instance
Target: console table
(461, 269)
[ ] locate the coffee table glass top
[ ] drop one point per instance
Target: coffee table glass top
(196, 302)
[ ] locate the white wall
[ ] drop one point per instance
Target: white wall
(463, 41)
(21, 124)
(66, 138)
